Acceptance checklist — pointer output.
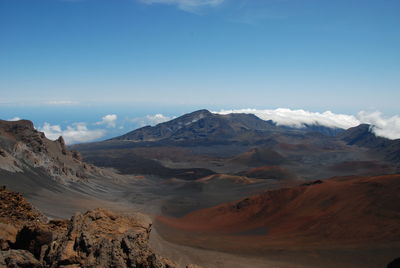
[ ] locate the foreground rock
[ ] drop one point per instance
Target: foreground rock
(18, 258)
(100, 238)
(97, 238)
(16, 212)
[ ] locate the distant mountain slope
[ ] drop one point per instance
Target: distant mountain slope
(233, 143)
(364, 137)
(204, 125)
(259, 156)
(201, 124)
(268, 172)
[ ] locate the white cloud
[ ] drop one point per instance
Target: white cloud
(151, 119)
(61, 102)
(15, 119)
(388, 127)
(187, 5)
(298, 118)
(157, 119)
(74, 133)
(108, 120)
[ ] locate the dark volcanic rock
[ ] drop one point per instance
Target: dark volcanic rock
(312, 183)
(33, 238)
(394, 264)
(130, 163)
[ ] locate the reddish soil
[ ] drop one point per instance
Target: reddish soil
(340, 211)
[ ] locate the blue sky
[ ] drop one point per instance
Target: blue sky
(70, 60)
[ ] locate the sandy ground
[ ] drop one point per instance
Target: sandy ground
(183, 255)
(143, 195)
(372, 256)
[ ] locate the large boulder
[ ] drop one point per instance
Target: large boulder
(100, 238)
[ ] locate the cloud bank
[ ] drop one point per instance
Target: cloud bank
(300, 118)
(76, 133)
(186, 5)
(108, 120)
(14, 119)
(157, 119)
(61, 102)
(151, 120)
(387, 127)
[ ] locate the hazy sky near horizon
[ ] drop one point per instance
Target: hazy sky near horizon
(319, 55)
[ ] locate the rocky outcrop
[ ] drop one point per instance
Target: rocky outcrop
(23, 148)
(97, 238)
(394, 264)
(16, 211)
(100, 238)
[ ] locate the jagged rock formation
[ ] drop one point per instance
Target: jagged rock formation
(23, 148)
(97, 238)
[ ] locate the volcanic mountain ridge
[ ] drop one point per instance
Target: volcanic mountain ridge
(203, 126)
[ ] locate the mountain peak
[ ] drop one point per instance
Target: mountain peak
(193, 116)
(199, 126)
(201, 111)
